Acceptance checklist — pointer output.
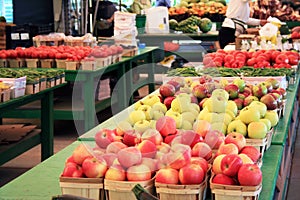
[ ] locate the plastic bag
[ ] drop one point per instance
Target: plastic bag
(269, 32)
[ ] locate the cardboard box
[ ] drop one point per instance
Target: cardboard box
(18, 86)
(247, 37)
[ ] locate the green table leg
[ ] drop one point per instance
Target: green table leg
(151, 73)
(122, 93)
(89, 104)
(47, 125)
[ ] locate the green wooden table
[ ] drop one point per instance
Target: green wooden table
(45, 138)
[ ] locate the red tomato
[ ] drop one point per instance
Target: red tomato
(251, 61)
(282, 58)
(293, 60)
(229, 58)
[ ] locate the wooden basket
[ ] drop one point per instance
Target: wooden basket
(234, 192)
(88, 65)
(72, 65)
(180, 192)
(32, 88)
(3, 63)
(261, 144)
(14, 63)
(103, 62)
(5, 95)
(32, 62)
(61, 63)
(83, 187)
(121, 190)
(47, 63)
(130, 52)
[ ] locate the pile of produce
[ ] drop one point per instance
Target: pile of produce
(274, 8)
(214, 10)
(186, 129)
(191, 25)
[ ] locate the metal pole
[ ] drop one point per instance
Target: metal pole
(95, 15)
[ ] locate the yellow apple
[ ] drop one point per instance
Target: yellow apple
(272, 116)
(159, 106)
(249, 114)
(136, 115)
(257, 130)
(246, 159)
(260, 106)
(267, 122)
(147, 110)
(151, 99)
(231, 105)
(237, 126)
(141, 126)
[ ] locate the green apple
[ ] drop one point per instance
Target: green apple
(249, 114)
(232, 115)
(157, 114)
(240, 83)
(186, 125)
(216, 104)
(237, 126)
(223, 82)
(267, 122)
(141, 126)
(194, 106)
(202, 113)
(159, 106)
(195, 112)
(231, 105)
(220, 92)
(260, 106)
(147, 110)
(138, 104)
(176, 116)
(136, 115)
(189, 116)
(220, 126)
(153, 124)
(151, 99)
(226, 118)
(257, 130)
(180, 104)
(272, 116)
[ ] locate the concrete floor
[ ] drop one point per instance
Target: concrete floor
(65, 133)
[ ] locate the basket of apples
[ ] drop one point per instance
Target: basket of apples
(236, 170)
(83, 174)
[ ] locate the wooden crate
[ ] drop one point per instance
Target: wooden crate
(121, 190)
(61, 63)
(3, 63)
(83, 187)
(32, 88)
(180, 192)
(47, 63)
(32, 62)
(88, 65)
(234, 192)
(5, 95)
(130, 52)
(72, 65)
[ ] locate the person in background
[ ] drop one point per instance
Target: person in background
(166, 3)
(138, 6)
(237, 17)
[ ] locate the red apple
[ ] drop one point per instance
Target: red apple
(70, 159)
(252, 152)
(270, 101)
(233, 90)
(216, 166)
(176, 84)
(167, 176)
(94, 167)
(259, 90)
(200, 91)
(104, 137)
(191, 174)
(205, 79)
(282, 91)
(201, 162)
(177, 157)
(72, 170)
(223, 179)
(167, 90)
(190, 137)
(109, 158)
(147, 148)
(129, 156)
(168, 100)
(249, 175)
(139, 172)
(249, 99)
(239, 103)
(131, 138)
(202, 150)
(201, 127)
(275, 83)
(80, 153)
(231, 164)
(236, 138)
(166, 126)
(168, 139)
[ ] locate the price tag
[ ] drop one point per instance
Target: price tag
(24, 36)
(15, 36)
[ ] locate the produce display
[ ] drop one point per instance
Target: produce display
(274, 8)
(183, 131)
(214, 10)
(191, 25)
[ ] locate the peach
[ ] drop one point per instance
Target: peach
(201, 127)
(80, 153)
(152, 135)
(201, 162)
(151, 163)
(129, 156)
(109, 158)
(203, 150)
(147, 148)
(166, 126)
(228, 149)
(115, 173)
(115, 147)
(94, 167)
(167, 176)
(139, 172)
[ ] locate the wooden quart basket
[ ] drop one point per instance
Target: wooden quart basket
(234, 192)
(180, 192)
(84, 187)
(121, 190)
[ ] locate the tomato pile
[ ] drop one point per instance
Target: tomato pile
(257, 59)
(76, 53)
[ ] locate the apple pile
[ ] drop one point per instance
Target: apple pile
(257, 59)
(236, 163)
